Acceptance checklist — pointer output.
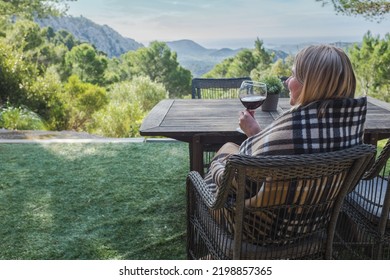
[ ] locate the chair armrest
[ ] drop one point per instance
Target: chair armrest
(212, 200)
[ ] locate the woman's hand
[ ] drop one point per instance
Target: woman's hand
(248, 124)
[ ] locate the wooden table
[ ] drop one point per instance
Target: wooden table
(182, 119)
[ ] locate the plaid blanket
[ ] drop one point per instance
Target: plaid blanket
(314, 128)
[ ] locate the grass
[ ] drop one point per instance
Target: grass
(381, 145)
(93, 201)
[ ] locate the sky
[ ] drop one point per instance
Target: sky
(227, 23)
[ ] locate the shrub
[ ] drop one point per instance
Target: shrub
(20, 118)
(82, 101)
(129, 103)
(118, 120)
(274, 84)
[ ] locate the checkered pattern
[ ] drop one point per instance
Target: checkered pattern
(312, 129)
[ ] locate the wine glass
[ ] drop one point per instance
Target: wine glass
(252, 95)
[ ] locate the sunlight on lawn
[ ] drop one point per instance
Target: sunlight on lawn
(72, 152)
(93, 201)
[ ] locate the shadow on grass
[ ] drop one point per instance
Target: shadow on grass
(93, 201)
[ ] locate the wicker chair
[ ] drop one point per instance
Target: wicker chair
(216, 88)
(285, 207)
(364, 224)
(220, 88)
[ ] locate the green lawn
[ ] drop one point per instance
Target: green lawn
(381, 144)
(93, 201)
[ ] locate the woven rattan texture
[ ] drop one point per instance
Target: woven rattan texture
(363, 230)
(272, 207)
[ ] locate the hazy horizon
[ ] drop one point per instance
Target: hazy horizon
(269, 42)
(227, 23)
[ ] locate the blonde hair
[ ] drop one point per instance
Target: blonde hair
(325, 72)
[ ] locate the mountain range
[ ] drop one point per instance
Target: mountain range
(192, 56)
(198, 59)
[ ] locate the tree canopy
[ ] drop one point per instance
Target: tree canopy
(244, 63)
(370, 9)
(30, 8)
(371, 60)
(160, 64)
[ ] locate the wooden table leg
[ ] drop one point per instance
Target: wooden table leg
(371, 138)
(196, 155)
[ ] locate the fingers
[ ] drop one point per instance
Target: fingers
(248, 123)
(246, 113)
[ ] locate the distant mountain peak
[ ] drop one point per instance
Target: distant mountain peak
(186, 45)
(103, 37)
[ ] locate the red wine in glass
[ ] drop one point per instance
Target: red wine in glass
(252, 94)
(252, 102)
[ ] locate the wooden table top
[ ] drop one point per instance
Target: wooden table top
(182, 118)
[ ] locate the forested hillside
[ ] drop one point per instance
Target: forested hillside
(51, 80)
(192, 56)
(198, 59)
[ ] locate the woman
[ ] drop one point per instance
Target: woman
(325, 116)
